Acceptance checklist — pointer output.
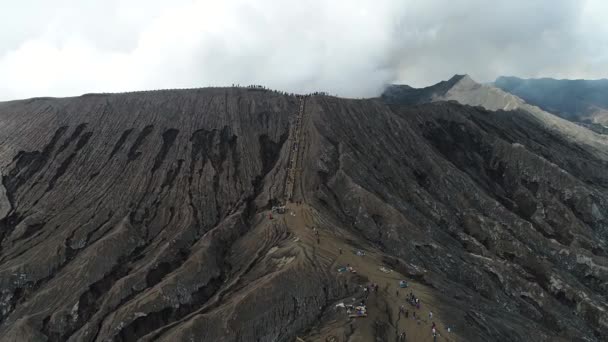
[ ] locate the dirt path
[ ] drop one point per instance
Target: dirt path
(382, 306)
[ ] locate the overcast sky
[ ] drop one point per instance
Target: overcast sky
(351, 48)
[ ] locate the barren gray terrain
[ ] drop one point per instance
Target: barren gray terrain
(147, 217)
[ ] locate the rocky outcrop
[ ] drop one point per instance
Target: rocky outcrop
(5, 205)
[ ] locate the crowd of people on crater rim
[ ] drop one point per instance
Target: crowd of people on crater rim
(261, 87)
(415, 304)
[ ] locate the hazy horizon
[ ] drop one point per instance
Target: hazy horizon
(349, 48)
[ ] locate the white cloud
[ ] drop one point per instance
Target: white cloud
(68, 47)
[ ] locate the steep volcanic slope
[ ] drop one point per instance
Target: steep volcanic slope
(506, 216)
(145, 216)
(575, 100)
(123, 208)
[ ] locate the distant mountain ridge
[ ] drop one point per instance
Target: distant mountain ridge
(464, 90)
(574, 100)
(459, 88)
(405, 94)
